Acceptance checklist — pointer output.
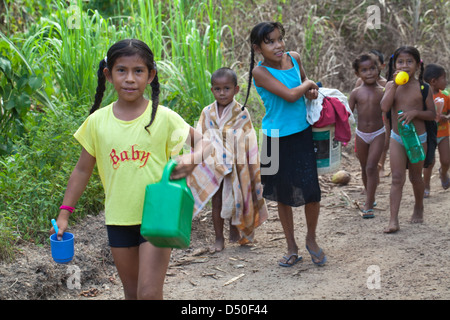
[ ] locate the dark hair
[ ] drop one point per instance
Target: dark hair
(378, 54)
(260, 33)
(124, 48)
(224, 72)
(409, 50)
(362, 58)
(433, 71)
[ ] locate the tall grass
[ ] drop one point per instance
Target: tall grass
(186, 37)
(77, 41)
(195, 51)
(313, 38)
(150, 25)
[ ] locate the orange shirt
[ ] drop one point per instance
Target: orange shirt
(443, 126)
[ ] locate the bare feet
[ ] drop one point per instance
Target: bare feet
(218, 246)
(234, 234)
(417, 216)
(445, 180)
(392, 227)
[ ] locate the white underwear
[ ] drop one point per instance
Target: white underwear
(368, 137)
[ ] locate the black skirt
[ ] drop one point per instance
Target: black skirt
(289, 169)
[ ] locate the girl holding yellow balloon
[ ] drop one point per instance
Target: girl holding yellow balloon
(404, 92)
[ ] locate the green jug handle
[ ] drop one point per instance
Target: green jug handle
(168, 170)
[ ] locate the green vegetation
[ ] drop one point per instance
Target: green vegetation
(50, 50)
(48, 79)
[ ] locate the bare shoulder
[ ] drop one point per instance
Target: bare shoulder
(389, 85)
(257, 69)
(382, 81)
(261, 75)
(352, 100)
(260, 71)
(296, 56)
(354, 93)
(379, 91)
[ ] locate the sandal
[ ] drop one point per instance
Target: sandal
(426, 193)
(367, 214)
(317, 255)
(287, 264)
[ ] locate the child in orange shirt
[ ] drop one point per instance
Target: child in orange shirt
(436, 77)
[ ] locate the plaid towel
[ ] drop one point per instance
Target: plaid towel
(235, 162)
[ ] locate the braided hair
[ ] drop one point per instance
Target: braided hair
(127, 47)
(260, 33)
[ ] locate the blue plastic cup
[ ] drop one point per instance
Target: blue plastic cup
(62, 250)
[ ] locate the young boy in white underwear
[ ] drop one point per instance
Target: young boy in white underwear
(370, 132)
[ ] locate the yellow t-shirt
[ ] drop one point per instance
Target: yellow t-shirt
(128, 158)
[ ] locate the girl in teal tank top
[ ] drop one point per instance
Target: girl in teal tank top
(288, 161)
(286, 117)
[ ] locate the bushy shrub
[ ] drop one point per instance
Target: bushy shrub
(33, 179)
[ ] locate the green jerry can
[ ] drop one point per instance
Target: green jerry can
(168, 209)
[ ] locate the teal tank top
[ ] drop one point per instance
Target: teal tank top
(286, 117)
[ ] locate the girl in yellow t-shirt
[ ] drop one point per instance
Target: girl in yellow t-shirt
(436, 76)
(131, 140)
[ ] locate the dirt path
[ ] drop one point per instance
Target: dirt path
(411, 264)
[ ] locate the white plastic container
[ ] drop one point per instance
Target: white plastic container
(327, 150)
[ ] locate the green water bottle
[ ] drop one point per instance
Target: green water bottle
(411, 141)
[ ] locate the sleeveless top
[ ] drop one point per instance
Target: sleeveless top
(283, 118)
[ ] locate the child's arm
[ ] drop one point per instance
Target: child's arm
(388, 98)
(428, 114)
(263, 78)
(352, 100)
(75, 187)
(312, 93)
(202, 149)
(443, 118)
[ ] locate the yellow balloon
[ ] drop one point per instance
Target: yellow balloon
(401, 78)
